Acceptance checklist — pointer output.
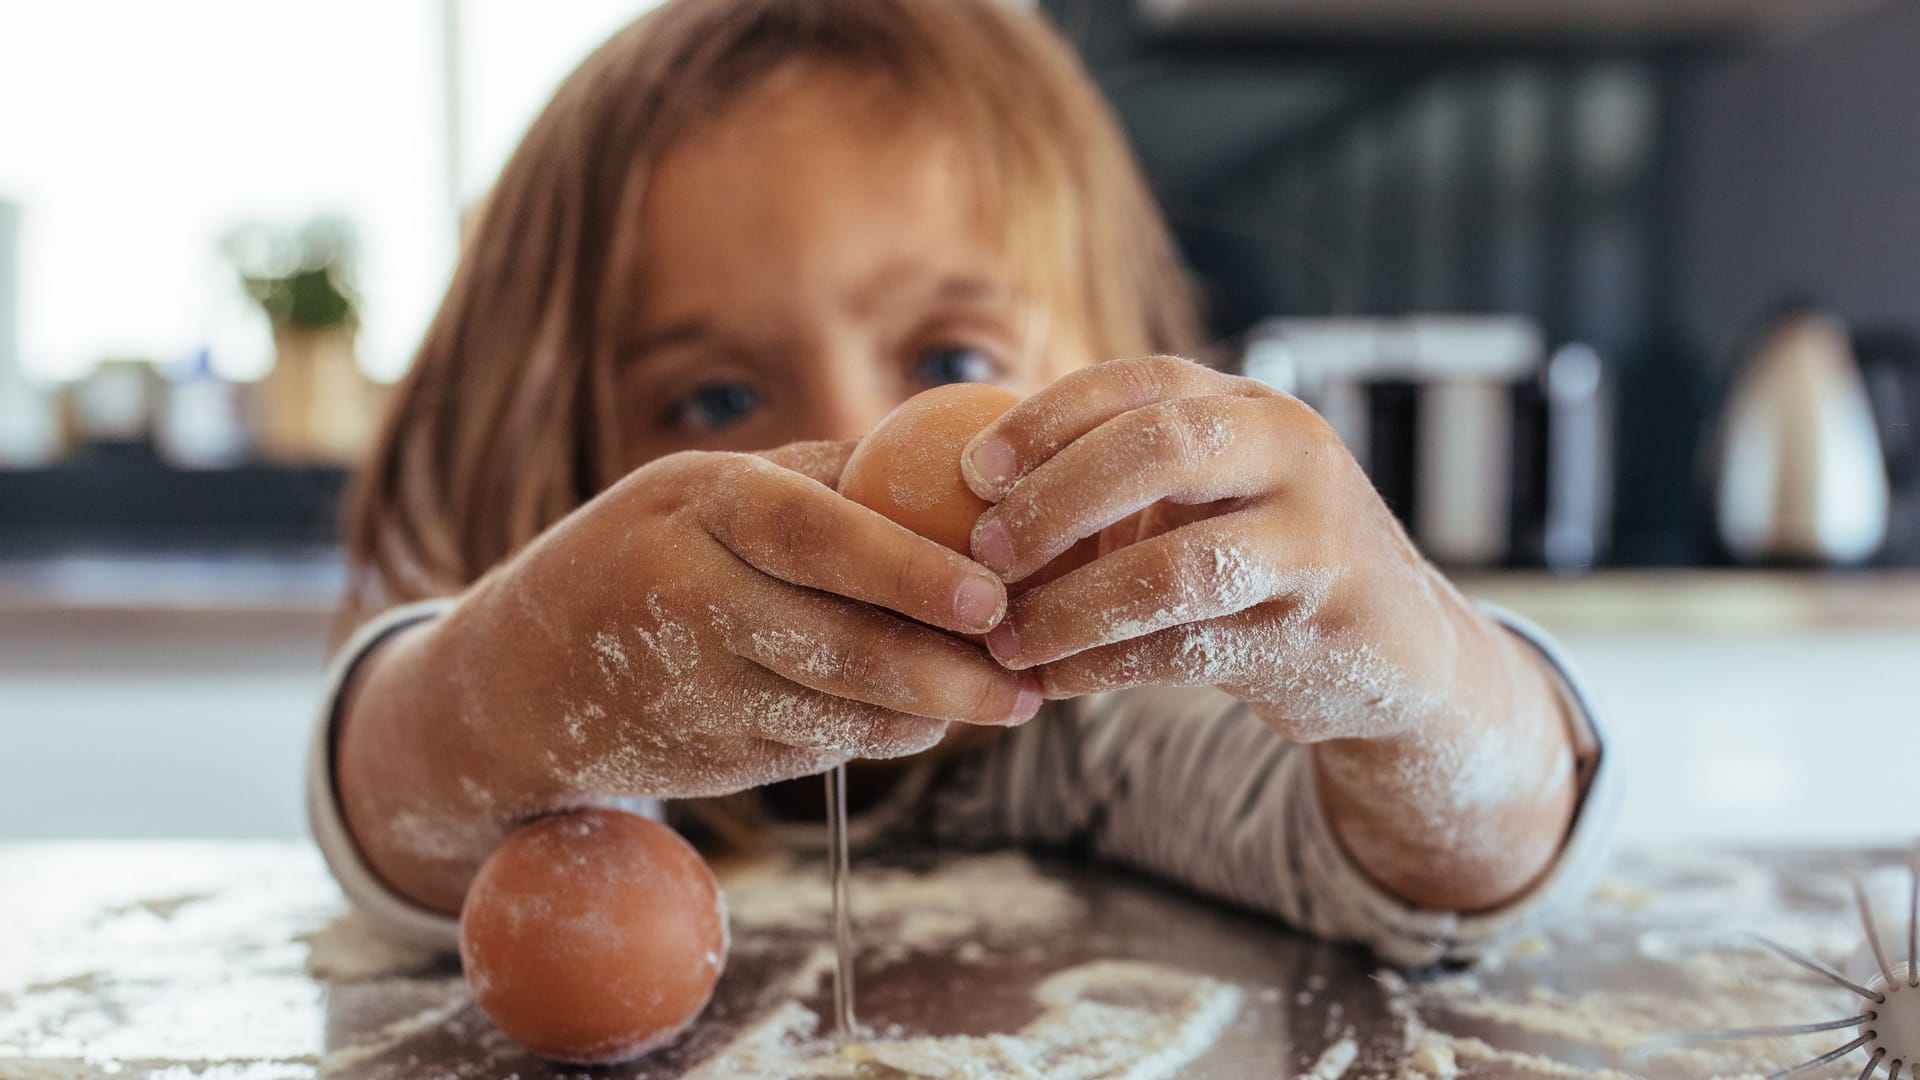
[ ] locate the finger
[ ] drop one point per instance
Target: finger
(1302, 684)
(850, 651)
(1218, 652)
(902, 736)
(1036, 429)
(792, 528)
(1189, 450)
(1192, 574)
(808, 730)
(822, 460)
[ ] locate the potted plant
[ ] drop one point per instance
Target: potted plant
(315, 406)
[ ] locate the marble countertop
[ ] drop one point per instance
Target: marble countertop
(237, 960)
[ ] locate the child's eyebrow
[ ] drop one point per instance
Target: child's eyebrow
(901, 286)
(689, 331)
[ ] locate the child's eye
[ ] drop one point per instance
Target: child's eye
(941, 364)
(715, 406)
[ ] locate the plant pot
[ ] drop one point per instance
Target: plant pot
(314, 407)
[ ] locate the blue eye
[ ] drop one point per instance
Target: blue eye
(941, 364)
(715, 406)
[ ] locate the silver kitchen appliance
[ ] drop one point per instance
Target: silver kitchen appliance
(1799, 475)
(1493, 450)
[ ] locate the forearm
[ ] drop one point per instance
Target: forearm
(1466, 811)
(424, 792)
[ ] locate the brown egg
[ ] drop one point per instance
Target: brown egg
(908, 469)
(593, 936)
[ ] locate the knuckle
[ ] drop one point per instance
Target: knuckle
(901, 736)
(793, 529)
(913, 573)
(1140, 380)
(726, 478)
(1298, 416)
(1177, 574)
(857, 662)
(869, 662)
(985, 700)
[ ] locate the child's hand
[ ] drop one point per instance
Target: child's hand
(710, 623)
(1241, 546)
(723, 621)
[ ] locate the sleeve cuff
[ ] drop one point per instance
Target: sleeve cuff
(1408, 936)
(392, 914)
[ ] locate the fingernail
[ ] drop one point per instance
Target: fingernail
(1029, 700)
(994, 462)
(1003, 642)
(992, 546)
(976, 601)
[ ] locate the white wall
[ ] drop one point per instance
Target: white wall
(115, 724)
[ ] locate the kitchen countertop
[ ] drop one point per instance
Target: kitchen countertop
(307, 585)
(1720, 601)
(234, 959)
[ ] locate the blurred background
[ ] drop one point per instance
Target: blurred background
(1617, 300)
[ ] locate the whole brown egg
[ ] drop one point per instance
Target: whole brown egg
(593, 936)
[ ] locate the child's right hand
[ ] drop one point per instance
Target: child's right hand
(723, 621)
(717, 621)
(710, 623)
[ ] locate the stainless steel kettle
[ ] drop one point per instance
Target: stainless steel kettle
(1800, 476)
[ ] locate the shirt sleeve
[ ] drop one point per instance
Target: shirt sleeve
(391, 913)
(1189, 784)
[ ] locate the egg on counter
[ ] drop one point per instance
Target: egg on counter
(593, 936)
(908, 469)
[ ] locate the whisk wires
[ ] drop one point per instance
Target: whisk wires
(1873, 933)
(1913, 921)
(1655, 1047)
(1827, 1058)
(1667, 1044)
(1819, 969)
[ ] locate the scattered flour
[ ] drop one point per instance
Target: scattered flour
(1712, 990)
(392, 1035)
(83, 1069)
(1430, 1054)
(1434, 1060)
(813, 970)
(350, 947)
(1621, 893)
(998, 894)
(1111, 1020)
(1334, 1061)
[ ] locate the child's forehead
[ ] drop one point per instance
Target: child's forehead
(828, 179)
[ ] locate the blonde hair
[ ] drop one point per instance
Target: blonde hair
(504, 424)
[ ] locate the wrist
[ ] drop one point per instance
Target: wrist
(1466, 811)
(419, 780)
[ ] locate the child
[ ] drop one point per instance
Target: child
(609, 565)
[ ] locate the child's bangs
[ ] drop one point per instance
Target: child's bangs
(1026, 193)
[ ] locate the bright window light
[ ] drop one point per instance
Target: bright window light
(133, 135)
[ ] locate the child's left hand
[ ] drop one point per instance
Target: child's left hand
(1242, 546)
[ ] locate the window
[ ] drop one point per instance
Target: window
(133, 135)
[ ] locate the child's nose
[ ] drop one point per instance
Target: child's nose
(852, 406)
(852, 422)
